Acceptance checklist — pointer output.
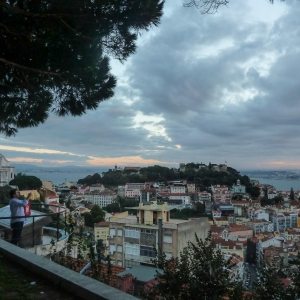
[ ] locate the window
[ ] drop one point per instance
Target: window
(112, 231)
(147, 251)
(120, 248)
(120, 232)
(132, 249)
(112, 247)
(133, 233)
(119, 263)
(168, 239)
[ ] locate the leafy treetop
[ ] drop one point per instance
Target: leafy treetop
(25, 182)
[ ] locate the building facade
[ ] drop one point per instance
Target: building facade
(6, 171)
(133, 239)
(103, 198)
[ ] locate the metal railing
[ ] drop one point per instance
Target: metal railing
(36, 216)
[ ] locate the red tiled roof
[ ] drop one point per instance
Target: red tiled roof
(216, 229)
(235, 227)
(230, 244)
(102, 224)
(286, 282)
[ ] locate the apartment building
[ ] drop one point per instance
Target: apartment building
(97, 187)
(101, 232)
(241, 207)
(284, 220)
(259, 226)
(178, 189)
(230, 247)
(7, 172)
(222, 196)
(292, 234)
(204, 196)
(219, 188)
(221, 221)
(147, 194)
(103, 198)
(234, 232)
(191, 188)
(258, 214)
(133, 238)
(265, 241)
(132, 190)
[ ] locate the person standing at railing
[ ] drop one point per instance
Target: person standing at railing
(17, 215)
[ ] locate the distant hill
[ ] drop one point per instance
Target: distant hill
(33, 169)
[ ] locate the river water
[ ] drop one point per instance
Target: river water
(281, 184)
(60, 177)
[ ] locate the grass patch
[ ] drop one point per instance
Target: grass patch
(15, 283)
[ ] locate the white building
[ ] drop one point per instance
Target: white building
(204, 196)
(178, 189)
(121, 191)
(186, 199)
(6, 172)
(216, 214)
(284, 220)
(271, 194)
(132, 190)
(103, 198)
(259, 214)
(259, 226)
(97, 187)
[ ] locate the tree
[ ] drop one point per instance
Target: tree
(269, 287)
(4, 194)
(292, 194)
(91, 179)
(200, 270)
(209, 6)
(25, 182)
(95, 216)
(96, 212)
(278, 199)
(54, 54)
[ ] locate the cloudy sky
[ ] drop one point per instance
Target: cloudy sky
(201, 88)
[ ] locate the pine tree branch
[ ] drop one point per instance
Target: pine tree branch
(17, 9)
(29, 69)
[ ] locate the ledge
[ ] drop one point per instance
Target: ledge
(75, 283)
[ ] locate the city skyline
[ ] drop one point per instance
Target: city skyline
(202, 88)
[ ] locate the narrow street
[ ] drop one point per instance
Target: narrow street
(253, 278)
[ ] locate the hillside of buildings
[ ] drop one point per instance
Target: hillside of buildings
(204, 176)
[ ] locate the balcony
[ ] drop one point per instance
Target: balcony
(56, 281)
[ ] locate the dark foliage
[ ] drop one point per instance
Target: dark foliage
(53, 54)
(200, 271)
(25, 182)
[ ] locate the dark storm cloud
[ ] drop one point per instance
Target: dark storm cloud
(216, 87)
(184, 71)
